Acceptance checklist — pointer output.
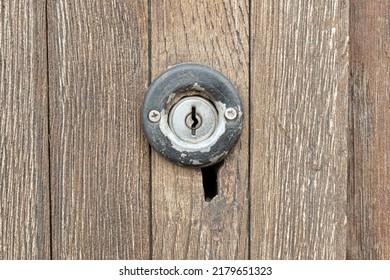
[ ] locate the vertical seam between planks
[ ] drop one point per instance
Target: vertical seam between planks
(351, 133)
(150, 149)
(249, 126)
(48, 132)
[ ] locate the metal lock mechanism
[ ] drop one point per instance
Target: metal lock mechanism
(192, 115)
(193, 119)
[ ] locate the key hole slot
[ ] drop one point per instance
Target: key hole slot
(195, 121)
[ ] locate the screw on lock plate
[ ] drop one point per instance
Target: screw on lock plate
(192, 115)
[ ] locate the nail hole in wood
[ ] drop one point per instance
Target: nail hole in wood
(210, 181)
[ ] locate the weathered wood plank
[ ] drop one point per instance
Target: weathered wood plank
(298, 129)
(369, 186)
(24, 157)
(184, 225)
(100, 160)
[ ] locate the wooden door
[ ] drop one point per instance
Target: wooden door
(308, 179)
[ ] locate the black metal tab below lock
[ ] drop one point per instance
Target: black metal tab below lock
(192, 115)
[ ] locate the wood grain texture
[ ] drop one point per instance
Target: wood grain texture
(298, 129)
(369, 184)
(24, 169)
(100, 160)
(184, 226)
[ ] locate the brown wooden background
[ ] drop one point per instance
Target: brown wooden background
(309, 178)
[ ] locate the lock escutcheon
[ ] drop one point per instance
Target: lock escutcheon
(192, 115)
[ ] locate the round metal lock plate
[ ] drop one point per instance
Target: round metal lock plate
(192, 115)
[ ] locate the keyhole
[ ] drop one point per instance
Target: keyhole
(194, 120)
